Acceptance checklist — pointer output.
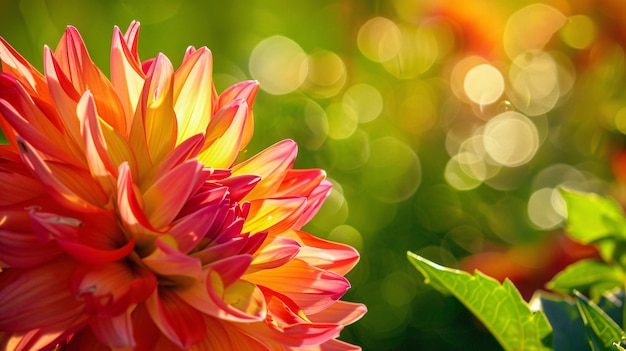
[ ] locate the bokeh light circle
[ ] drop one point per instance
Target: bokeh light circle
(379, 39)
(365, 100)
(510, 139)
(483, 84)
(279, 64)
(327, 74)
(546, 208)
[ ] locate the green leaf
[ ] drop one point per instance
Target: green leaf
(567, 326)
(591, 217)
(602, 331)
(583, 275)
(500, 308)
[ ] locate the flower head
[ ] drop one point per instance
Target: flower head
(126, 221)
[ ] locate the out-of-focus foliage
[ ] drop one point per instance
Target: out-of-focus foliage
(446, 126)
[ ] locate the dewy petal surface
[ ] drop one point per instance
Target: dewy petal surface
(130, 221)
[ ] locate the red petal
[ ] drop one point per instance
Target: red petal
(180, 323)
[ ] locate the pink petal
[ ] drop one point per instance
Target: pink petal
(340, 312)
(164, 200)
(166, 260)
(243, 90)
(275, 253)
(314, 202)
(324, 254)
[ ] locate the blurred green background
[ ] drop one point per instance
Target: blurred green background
(446, 126)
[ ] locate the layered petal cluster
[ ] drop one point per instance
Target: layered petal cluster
(127, 221)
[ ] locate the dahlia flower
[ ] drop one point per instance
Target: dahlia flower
(127, 220)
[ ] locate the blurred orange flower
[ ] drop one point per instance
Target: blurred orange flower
(126, 222)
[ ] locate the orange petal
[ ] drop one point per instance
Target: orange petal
(65, 98)
(156, 110)
(271, 165)
(224, 135)
(70, 186)
(193, 87)
(28, 121)
(311, 288)
(16, 188)
(127, 76)
(17, 66)
(224, 336)
(273, 215)
(100, 164)
(74, 60)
